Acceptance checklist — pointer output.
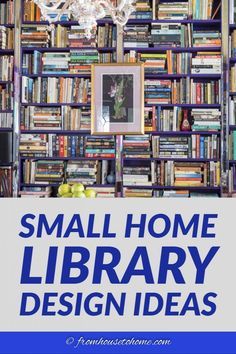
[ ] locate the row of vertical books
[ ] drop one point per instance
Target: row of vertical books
(7, 12)
(55, 118)
(130, 192)
(31, 11)
(156, 119)
(87, 172)
(6, 120)
(64, 36)
(177, 63)
(183, 91)
(150, 9)
(167, 147)
(6, 38)
(6, 67)
(74, 62)
(195, 146)
(178, 10)
(196, 9)
(6, 97)
(56, 145)
(199, 119)
(172, 173)
(170, 35)
(73, 36)
(56, 90)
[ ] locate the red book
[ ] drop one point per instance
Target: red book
(61, 146)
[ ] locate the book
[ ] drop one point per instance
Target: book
(233, 78)
(7, 171)
(232, 144)
(6, 67)
(232, 111)
(232, 11)
(6, 38)
(6, 97)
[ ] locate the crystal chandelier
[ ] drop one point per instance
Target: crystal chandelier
(86, 12)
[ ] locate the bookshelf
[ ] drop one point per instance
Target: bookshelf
(6, 80)
(232, 98)
(55, 81)
(180, 55)
(188, 63)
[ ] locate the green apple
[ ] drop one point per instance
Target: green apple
(90, 193)
(64, 189)
(77, 187)
(79, 195)
(66, 195)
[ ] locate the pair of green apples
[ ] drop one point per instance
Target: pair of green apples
(77, 190)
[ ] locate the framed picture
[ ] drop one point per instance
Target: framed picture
(117, 99)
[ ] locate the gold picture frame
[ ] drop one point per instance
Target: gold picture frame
(117, 99)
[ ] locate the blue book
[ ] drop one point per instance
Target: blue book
(202, 147)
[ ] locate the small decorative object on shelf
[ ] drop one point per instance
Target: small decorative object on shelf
(185, 125)
(111, 178)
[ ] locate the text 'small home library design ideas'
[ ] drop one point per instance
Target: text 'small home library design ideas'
(188, 149)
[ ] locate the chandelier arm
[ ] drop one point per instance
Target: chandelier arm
(49, 8)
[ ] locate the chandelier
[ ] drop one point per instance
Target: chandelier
(86, 12)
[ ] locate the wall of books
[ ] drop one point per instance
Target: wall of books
(232, 97)
(6, 83)
(180, 43)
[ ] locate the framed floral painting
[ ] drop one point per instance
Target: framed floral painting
(117, 99)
